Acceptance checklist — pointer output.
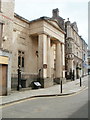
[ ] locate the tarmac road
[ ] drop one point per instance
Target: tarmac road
(72, 106)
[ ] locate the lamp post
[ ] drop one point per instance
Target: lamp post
(19, 77)
(80, 78)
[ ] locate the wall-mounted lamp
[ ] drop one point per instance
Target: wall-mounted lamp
(5, 38)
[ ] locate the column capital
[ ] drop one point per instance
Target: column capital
(62, 43)
(40, 33)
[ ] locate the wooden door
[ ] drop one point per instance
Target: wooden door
(3, 79)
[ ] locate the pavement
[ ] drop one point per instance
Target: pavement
(68, 88)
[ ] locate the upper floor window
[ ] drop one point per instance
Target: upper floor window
(88, 62)
(1, 32)
(84, 56)
(77, 54)
(21, 59)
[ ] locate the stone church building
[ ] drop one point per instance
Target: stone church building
(37, 46)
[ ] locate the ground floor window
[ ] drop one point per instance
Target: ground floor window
(21, 56)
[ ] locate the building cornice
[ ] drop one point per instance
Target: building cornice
(21, 18)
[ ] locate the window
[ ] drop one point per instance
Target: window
(84, 56)
(54, 64)
(21, 58)
(88, 61)
(22, 61)
(1, 32)
(77, 54)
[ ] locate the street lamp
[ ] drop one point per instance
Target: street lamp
(19, 77)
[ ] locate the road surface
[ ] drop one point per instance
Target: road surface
(72, 106)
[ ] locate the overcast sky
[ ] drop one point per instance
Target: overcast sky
(75, 10)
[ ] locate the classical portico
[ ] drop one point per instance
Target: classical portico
(51, 59)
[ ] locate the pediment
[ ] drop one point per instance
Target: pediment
(54, 22)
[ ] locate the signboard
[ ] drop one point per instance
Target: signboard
(3, 60)
(37, 83)
(44, 66)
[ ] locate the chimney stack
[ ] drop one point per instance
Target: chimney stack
(55, 12)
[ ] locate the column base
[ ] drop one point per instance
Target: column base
(46, 82)
(8, 91)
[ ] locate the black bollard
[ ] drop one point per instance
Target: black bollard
(61, 86)
(80, 82)
(19, 78)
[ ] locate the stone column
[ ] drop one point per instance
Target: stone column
(42, 55)
(49, 58)
(58, 61)
(63, 60)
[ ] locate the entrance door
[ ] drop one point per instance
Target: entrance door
(77, 74)
(3, 79)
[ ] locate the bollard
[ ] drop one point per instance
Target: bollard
(61, 86)
(80, 82)
(19, 78)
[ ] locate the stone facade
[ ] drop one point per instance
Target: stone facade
(84, 58)
(89, 62)
(76, 49)
(6, 30)
(40, 46)
(37, 46)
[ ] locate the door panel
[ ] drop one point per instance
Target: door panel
(3, 79)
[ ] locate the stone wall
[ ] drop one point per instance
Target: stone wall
(26, 43)
(30, 78)
(7, 16)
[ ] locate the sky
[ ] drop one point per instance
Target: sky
(75, 10)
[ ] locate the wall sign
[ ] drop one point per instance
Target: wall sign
(44, 66)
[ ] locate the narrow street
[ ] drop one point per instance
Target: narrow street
(72, 106)
(44, 59)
